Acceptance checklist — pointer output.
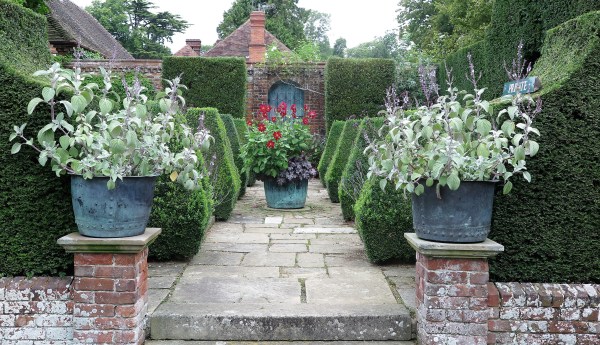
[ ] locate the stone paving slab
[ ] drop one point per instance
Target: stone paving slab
(269, 275)
(194, 289)
(184, 342)
(280, 322)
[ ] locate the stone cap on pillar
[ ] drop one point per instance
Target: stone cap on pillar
(481, 250)
(75, 243)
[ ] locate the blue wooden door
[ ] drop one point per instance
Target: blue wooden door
(290, 94)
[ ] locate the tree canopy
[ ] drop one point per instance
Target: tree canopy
(38, 6)
(284, 19)
(142, 32)
(440, 27)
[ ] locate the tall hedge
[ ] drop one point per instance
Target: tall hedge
(514, 21)
(549, 228)
(356, 87)
(226, 179)
(355, 171)
(330, 146)
(183, 216)
(242, 128)
(36, 205)
(340, 158)
(212, 82)
(234, 140)
(382, 218)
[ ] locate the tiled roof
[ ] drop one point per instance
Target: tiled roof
(238, 43)
(68, 22)
(186, 51)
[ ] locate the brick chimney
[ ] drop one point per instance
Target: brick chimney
(258, 47)
(195, 44)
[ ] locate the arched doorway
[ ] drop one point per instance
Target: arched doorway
(289, 93)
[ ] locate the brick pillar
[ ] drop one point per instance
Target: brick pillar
(258, 46)
(452, 291)
(110, 287)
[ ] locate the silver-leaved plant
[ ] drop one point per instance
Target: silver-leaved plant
(458, 137)
(93, 133)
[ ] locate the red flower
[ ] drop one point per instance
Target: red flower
(249, 123)
(293, 109)
(277, 135)
(274, 119)
(282, 109)
(271, 144)
(264, 109)
(305, 108)
(305, 121)
(312, 114)
(261, 127)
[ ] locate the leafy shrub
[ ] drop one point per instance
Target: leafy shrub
(315, 149)
(356, 87)
(240, 125)
(355, 171)
(382, 218)
(212, 82)
(549, 228)
(225, 177)
(36, 206)
(340, 158)
(332, 139)
(117, 83)
(183, 216)
(234, 140)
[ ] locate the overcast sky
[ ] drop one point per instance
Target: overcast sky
(356, 21)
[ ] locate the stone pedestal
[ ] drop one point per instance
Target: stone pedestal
(452, 291)
(110, 287)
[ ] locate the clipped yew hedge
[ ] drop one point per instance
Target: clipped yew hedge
(340, 158)
(242, 128)
(330, 146)
(212, 82)
(382, 218)
(225, 178)
(512, 21)
(234, 140)
(36, 205)
(356, 87)
(549, 227)
(355, 171)
(182, 215)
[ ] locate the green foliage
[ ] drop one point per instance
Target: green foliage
(23, 38)
(355, 172)
(242, 128)
(234, 140)
(117, 83)
(141, 31)
(183, 216)
(382, 218)
(225, 178)
(37, 6)
(272, 144)
(340, 158)
(440, 27)
(212, 82)
(284, 19)
(514, 21)
(36, 205)
(549, 228)
(356, 87)
(384, 47)
(339, 47)
(332, 139)
(457, 62)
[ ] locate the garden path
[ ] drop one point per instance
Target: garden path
(281, 275)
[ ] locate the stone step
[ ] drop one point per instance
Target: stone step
(274, 322)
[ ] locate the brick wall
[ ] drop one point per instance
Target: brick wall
(309, 77)
(36, 311)
(525, 313)
(151, 69)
